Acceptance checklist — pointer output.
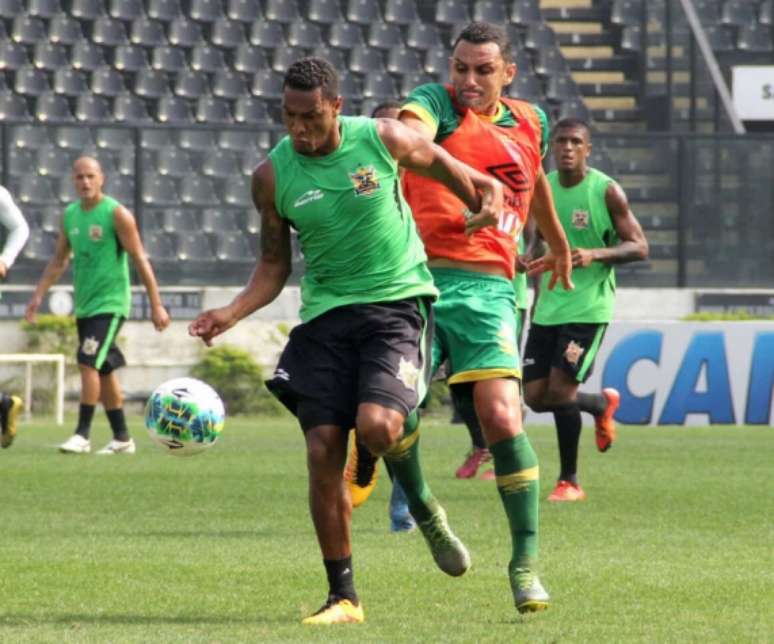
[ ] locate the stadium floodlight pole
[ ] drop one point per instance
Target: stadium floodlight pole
(712, 65)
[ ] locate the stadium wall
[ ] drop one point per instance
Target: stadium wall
(669, 372)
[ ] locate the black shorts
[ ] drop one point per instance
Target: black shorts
(569, 347)
(97, 342)
(378, 353)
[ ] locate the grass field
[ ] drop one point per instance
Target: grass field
(674, 544)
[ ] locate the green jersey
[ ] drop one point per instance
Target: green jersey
(586, 220)
(100, 264)
(357, 234)
(520, 282)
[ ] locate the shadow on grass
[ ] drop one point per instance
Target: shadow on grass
(139, 620)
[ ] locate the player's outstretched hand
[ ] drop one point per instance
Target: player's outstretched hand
(491, 207)
(560, 267)
(211, 323)
(160, 317)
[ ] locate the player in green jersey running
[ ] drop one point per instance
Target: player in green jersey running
(100, 234)
(568, 326)
(359, 357)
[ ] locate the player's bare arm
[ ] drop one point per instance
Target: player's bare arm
(633, 245)
(53, 271)
(480, 193)
(269, 275)
(558, 259)
(129, 236)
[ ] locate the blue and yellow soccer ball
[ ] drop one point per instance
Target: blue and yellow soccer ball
(184, 416)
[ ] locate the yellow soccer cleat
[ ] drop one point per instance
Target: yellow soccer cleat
(337, 611)
(360, 473)
(10, 406)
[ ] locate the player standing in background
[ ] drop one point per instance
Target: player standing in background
(476, 313)
(568, 327)
(18, 232)
(361, 471)
(358, 357)
(101, 234)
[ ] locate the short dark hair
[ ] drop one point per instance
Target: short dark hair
(572, 122)
(479, 33)
(386, 105)
(307, 74)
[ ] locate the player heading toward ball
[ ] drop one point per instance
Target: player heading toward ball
(359, 357)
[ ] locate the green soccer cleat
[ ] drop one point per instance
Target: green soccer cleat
(449, 552)
(529, 596)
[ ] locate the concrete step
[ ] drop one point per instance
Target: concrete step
(626, 88)
(598, 77)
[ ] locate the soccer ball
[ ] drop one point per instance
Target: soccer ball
(184, 416)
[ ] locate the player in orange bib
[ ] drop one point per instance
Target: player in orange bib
(472, 260)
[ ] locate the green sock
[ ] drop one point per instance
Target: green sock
(518, 481)
(403, 459)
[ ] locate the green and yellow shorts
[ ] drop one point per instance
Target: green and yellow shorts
(475, 326)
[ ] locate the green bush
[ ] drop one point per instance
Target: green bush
(238, 379)
(53, 334)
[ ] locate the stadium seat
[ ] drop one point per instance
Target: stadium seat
(401, 12)
(560, 88)
(268, 35)
(65, 29)
(206, 10)
(177, 220)
(191, 84)
(539, 36)
(150, 83)
(11, 8)
(40, 246)
(324, 11)
(175, 110)
(207, 59)
(237, 192)
(365, 60)
(43, 8)
(720, 38)
(34, 189)
(234, 140)
(173, 161)
(28, 30)
(87, 9)
(401, 60)
(22, 161)
(229, 84)
(147, 32)
(423, 36)
(74, 138)
(213, 110)
(106, 81)
(130, 58)
(52, 107)
(234, 247)
(766, 13)
(50, 218)
(155, 139)
(13, 107)
(755, 38)
(451, 12)
(413, 80)
(304, 34)
(165, 10)
(335, 56)
(525, 13)
(53, 162)
(284, 11)
(626, 13)
(159, 191)
(285, 57)
(29, 136)
(126, 10)
(251, 111)
(13, 55)
(228, 34)
(363, 12)
(199, 139)
(248, 59)
(194, 247)
(167, 58)
(379, 85)
(221, 164)
(49, 56)
(345, 35)
(216, 220)
(384, 35)
(160, 247)
(198, 191)
(266, 84)
(90, 108)
(550, 61)
(128, 108)
(490, 11)
(437, 60)
(30, 81)
(527, 87)
(244, 10)
(65, 190)
(114, 138)
(185, 33)
(109, 32)
(632, 42)
(70, 82)
(252, 221)
(738, 13)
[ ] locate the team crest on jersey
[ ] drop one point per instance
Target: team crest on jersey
(408, 374)
(580, 219)
(365, 180)
(90, 346)
(573, 352)
(95, 232)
